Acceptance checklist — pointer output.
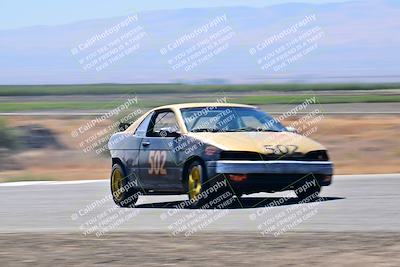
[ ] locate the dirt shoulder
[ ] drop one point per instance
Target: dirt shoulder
(363, 144)
(209, 249)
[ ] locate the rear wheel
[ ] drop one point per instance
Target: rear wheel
(123, 192)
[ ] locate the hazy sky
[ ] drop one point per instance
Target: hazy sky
(21, 13)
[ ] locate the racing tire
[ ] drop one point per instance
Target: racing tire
(305, 191)
(199, 188)
(123, 193)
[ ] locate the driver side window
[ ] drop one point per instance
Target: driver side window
(164, 120)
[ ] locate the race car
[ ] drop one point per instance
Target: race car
(206, 149)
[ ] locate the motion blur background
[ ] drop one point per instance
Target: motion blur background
(274, 55)
(71, 71)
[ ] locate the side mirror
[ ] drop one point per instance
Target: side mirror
(169, 132)
(292, 130)
(123, 126)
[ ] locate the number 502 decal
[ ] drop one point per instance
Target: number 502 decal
(157, 160)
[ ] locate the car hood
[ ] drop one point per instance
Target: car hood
(256, 141)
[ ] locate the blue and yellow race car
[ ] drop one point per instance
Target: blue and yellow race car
(206, 149)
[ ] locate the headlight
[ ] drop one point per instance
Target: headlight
(210, 151)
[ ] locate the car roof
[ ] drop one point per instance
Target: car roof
(201, 105)
(177, 107)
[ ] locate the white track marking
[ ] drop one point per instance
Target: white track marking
(52, 183)
(340, 177)
(23, 183)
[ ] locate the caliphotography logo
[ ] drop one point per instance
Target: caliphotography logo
(187, 133)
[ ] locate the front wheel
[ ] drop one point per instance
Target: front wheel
(123, 192)
(203, 194)
(308, 190)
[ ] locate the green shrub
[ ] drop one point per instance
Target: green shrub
(8, 136)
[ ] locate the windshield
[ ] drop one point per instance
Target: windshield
(229, 119)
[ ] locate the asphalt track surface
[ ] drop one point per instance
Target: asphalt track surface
(354, 203)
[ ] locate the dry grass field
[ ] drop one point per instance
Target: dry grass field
(357, 145)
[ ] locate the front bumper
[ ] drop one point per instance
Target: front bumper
(272, 167)
(271, 176)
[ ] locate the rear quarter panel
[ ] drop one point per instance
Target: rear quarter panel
(125, 147)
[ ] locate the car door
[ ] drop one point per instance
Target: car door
(140, 133)
(158, 162)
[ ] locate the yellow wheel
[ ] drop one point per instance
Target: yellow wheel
(123, 194)
(201, 191)
(116, 184)
(196, 177)
(194, 181)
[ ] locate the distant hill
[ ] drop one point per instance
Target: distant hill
(360, 42)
